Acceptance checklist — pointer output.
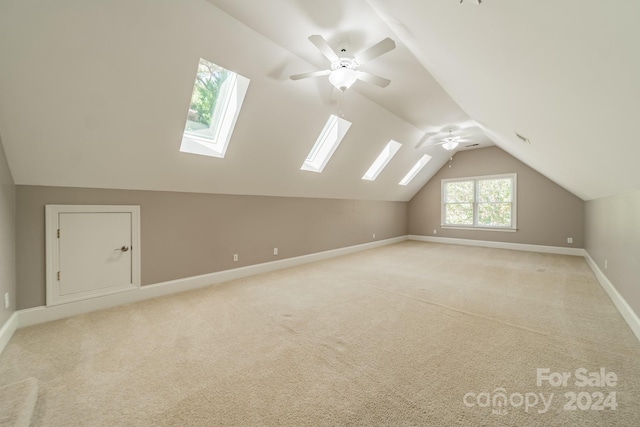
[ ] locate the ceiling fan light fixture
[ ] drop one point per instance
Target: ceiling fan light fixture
(450, 144)
(343, 77)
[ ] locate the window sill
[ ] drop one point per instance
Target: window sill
(508, 230)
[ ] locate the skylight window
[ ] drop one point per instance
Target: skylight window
(329, 139)
(385, 157)
(215, 104)
(415, 169)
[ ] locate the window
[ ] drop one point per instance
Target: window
(483, 202)
(415, 169)
(329, 139)
(385, 157)
(215, 105)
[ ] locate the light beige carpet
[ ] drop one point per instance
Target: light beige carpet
(17, 401)
(408, 334)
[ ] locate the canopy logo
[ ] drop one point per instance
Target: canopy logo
(600, 399)
(499, 401)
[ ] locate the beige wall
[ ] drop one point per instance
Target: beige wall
(547, 213)
(188, 234)
(7, 239)
(612, 229)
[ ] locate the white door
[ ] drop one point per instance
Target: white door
(94, 251)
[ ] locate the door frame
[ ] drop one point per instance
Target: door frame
(53, 256)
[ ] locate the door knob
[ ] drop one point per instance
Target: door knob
(123, 249)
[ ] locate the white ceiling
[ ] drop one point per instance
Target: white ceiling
(414, 95)
(565, 74)
(95, 93)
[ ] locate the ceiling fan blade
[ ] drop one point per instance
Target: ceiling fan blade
(376, 50)
(373, 79)
(310, 74)
(324, 47)
(463, 134)
(425, 140)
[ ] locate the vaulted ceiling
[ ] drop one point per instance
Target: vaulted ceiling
(95, 93)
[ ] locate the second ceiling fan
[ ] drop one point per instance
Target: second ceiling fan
(344, 66)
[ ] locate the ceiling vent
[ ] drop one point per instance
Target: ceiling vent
(522, 138)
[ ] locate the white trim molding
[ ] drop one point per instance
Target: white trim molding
(501, 245)
(43, 314)
(621, 304)
(32, 316)
(7, 330)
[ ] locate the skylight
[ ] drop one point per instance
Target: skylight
(215, 104)
(415, 169)
(329, 139)
(385, 156)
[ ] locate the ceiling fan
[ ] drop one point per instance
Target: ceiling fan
(448, 139)
(344, 66)
(451, 142)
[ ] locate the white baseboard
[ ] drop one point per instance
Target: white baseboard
(37, 315)
(623, 307)
(7, 330)
(32, 316)
(501, 245)
(621, 304)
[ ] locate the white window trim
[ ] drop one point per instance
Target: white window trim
(382, 160)
(415, 170)
(223, 120)
(475, 226)
(483, 228)
(328, 141)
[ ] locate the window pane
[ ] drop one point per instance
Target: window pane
(415, 169)
(459, 214)
(215, 105)
(459, 192)
(382, 160)
(494, 190)
(209, 81)
(332, 134)
(494, 214)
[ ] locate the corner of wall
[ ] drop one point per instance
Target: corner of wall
(7, 330)
(7, 246)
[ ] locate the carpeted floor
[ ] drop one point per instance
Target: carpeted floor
(409, 334)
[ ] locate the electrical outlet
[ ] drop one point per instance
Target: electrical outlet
(6, 300)
(374, 235)
(569, 239)
(606, 264)
(235, 257)
(435, 231)
(275, 251)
